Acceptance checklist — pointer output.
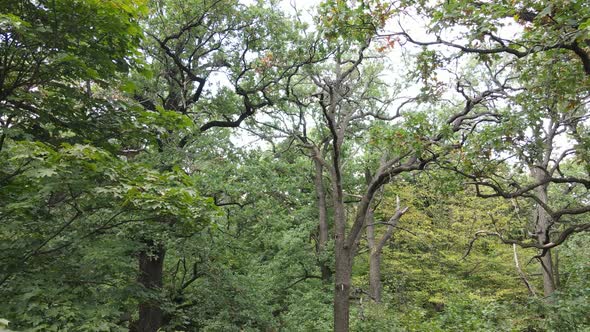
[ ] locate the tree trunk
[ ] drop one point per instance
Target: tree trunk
(375, 276)
(151, 267)
(547, 269)
(376, 248)
(556, 268)
(543, 225)
(374, 260)
(343, 258)
(342, 289)
(323, 219)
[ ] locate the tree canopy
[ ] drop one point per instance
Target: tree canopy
(364, 165)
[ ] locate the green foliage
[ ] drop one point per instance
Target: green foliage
(82, 207)
(309, 309)
(376, 317)
(56, 53)
(428, 283)
(356, 20)
(104, 157)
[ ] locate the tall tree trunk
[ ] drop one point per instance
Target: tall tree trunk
(556, 268)
(547, 270)
(151, 268)
(376, 248)
(375, 276)
(374, 260)
(543, 225)
(342, 255)
(323, 218)
(342, 289)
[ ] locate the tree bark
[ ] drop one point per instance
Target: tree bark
(343, 265)
(556, 268)
(375, 276)
(151, 268)
(342, 251)
(376, 249)
(342, 289)
(374, 261)
(323, 218)
(542, 227)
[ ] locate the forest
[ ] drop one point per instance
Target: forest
(266, 165)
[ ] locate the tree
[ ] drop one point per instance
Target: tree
(57, 189)
(345, 99)
(535, 137)
(376, 247)
(423, 271)
(128, 205)
(546, 28)
(189, 45)
(546, 65)
(53, 56)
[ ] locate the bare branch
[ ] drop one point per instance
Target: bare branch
(562, 237)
